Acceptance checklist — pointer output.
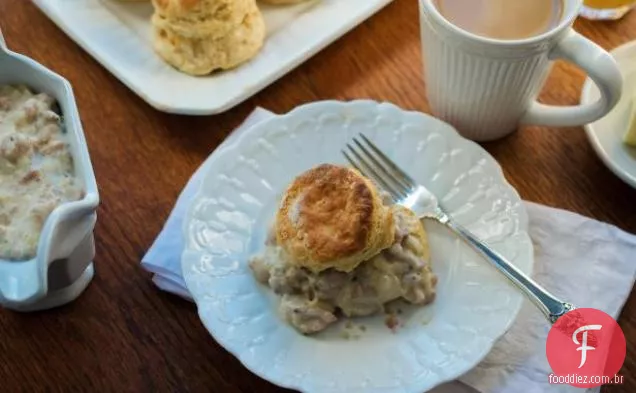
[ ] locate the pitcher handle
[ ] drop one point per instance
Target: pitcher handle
(3, 43)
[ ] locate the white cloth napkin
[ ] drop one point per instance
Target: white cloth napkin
(587, 262)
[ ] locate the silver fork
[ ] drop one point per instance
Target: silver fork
(366, 157)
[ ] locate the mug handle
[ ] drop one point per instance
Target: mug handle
(601, 68)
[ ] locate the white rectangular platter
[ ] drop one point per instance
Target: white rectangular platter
(119, 36)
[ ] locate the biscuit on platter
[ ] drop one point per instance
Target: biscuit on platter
(281, 2)
(201, 56)
(196, 10)
(215, 24)
(333, 217)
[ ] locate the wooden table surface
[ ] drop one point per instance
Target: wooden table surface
(124, 335)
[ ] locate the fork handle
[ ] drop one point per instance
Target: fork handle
(549, 305)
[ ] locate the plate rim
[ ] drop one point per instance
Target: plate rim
(252, 131)
(606, 158)
(244, 91)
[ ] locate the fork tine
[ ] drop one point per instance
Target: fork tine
(405, 176)
(363, 168)
(405, 186)
(351, 161)
(355, 164)
(367, 169)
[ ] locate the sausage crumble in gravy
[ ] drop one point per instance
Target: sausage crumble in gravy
(36, 169)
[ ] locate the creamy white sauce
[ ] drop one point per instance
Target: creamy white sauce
(36, 169)
(311, 302)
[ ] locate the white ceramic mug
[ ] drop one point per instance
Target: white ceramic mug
(487, 87)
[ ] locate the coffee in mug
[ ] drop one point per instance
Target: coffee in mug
(503, 19)
(486, 62)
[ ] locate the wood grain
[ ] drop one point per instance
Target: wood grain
(123, 335)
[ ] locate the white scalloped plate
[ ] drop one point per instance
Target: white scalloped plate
(475, 304)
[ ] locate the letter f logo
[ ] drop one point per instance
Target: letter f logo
(583, 346)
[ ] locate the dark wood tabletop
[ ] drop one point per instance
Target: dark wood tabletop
(123, 334)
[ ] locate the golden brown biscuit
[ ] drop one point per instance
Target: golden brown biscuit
(196, 10)
(333, 217)
(201, 56)
(200, 18)
(281, 2)
(211, 25)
